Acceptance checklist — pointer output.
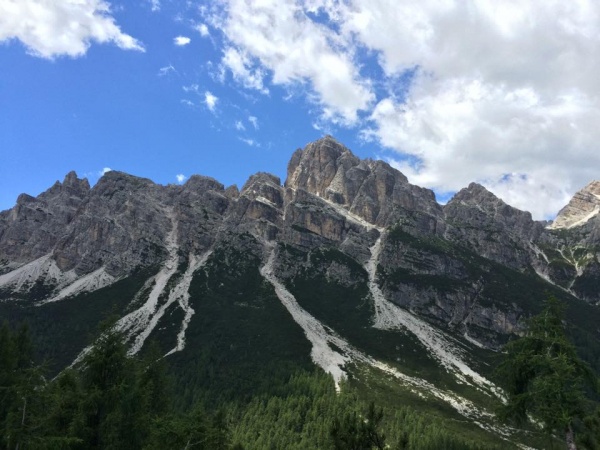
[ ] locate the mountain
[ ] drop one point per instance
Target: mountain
(346, 266)
(583, 207)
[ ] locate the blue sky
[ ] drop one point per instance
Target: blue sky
(503, 94)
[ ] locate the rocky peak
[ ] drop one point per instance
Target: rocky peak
(72, 186)
(55, 208)
(203, 183)
(72, 180)
(373, 190)
(475, 195)
(497, 230)
(584, 206)
(116, 180)
(265, 188)
(314, 168)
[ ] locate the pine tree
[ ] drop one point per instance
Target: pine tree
(356, 433)
(544, 376)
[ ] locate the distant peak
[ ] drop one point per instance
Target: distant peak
(317, 164)
(74, 182)
(592, 188)
(71, 177)
(584, 206)
(261, 178)
(203, 183)
(475, 193)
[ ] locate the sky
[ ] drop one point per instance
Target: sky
(506, 93)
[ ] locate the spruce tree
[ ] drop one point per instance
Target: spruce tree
(544, 377)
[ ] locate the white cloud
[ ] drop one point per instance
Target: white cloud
(532, 152)
(61, 28)
(180, 178)
(191, 88)
(239, 126)
(187, 102)
(250, 142)
(181, 41)
(254, 121)
(202, 29)
(104, 171)
(210, 100)
(154, 5)
(279, 40)
(240, 66)
(504, 93)
(166, 70)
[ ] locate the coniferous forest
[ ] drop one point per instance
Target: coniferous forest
(112, 401)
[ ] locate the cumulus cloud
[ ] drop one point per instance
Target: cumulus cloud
(278, 40)
(504, 93)
(239, 126)
(240, 67)
(104, 171)
(49, 29)
(180, 178)
(181, 41)
(154, 5)
(210, 101)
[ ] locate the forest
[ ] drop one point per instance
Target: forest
(109, 400)
(112, 401)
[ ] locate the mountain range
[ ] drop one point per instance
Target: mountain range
(345, 266)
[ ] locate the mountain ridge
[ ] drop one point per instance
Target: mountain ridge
(370, 269)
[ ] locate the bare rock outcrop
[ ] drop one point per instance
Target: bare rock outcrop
(584, 206)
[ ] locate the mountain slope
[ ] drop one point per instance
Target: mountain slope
(346, 266)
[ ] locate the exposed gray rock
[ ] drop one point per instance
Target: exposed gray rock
(583, 207)
(479, 220)
(372, 190)
(331, 200)
(33, 226)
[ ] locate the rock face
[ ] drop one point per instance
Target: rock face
(584, 206)
(493, 229)
(34, 225)
(457, 266)
(372, 190)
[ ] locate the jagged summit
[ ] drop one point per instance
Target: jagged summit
(478, 196)
(373, 190)
(330, 197)
(584, 206)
